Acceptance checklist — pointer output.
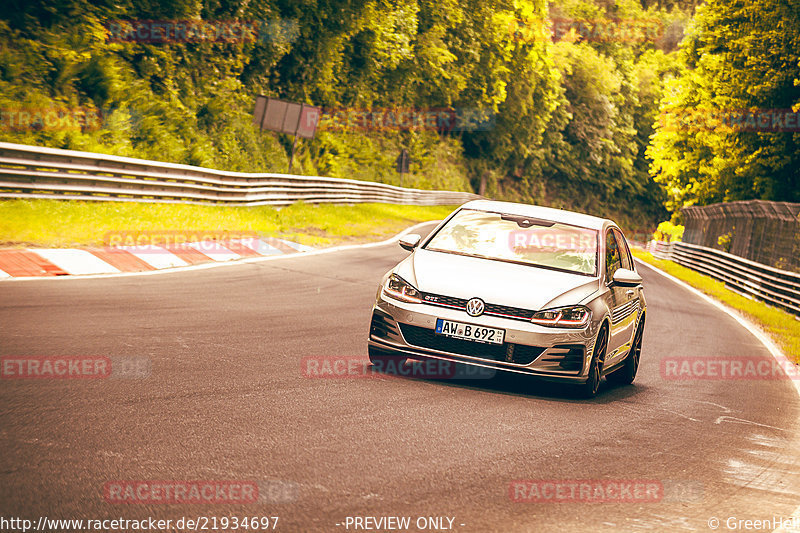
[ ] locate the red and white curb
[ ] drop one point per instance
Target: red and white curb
(48, 262)
(138, 259)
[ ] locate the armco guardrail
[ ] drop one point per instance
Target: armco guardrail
(777, 287)
(37, 172)
(763, 231)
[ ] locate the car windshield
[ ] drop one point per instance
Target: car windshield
(518, 239)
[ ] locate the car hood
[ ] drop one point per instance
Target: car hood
(496, 282)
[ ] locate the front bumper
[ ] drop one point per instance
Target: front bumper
(556, 354)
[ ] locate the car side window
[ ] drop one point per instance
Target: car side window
(624, 252)
(613, 259)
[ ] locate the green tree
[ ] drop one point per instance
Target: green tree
(741, 58)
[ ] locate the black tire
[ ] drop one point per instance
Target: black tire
(627, 373)
(592, 385)
(384, 361)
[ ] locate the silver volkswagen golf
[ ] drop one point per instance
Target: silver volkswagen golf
(516, 288)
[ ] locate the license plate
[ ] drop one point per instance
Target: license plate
(472, 332)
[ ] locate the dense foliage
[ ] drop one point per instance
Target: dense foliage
(571, 106)
(729, 128)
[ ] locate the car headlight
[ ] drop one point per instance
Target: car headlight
(563, 317)
(399, 289)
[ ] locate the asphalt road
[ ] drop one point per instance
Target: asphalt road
(225, 399)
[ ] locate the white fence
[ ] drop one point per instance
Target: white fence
(777, 287)
(37, 172)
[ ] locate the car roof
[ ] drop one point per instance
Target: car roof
(546, 213)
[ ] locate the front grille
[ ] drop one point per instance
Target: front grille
(504, 311)
(444, 301)
(522, 354)
(426, 338)
(381, 325)
(509, 312)
(567, 357)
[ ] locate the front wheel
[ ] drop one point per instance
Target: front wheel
(592, 385)
(626, 374)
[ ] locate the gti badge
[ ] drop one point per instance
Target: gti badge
(475, 307)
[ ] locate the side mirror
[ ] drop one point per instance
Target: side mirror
(626, 278)
(410, 241)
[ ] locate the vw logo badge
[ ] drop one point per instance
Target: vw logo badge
(475, 307)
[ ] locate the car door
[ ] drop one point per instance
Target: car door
(633, 295)
(622, 300)
(625, 300)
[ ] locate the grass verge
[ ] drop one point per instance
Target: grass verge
(781, 326)
(65, 224)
